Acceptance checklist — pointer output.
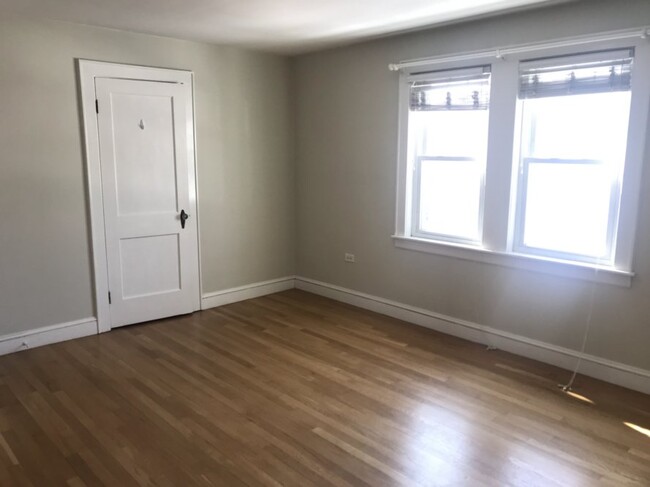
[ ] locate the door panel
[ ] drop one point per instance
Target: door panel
(142, 273)
(144, 152)
(152, 260)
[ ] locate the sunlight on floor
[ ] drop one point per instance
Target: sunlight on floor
(643, 431)
(438, 442)
(579, 397)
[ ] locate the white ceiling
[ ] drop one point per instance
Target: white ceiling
(283, 26)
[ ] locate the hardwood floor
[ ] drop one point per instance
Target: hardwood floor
(294, 389)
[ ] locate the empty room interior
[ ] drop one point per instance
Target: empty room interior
(330, 243)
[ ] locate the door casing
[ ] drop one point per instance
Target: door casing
(88, 71)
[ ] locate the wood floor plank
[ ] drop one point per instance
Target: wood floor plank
(293, 389)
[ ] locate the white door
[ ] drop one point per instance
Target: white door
(151, 246)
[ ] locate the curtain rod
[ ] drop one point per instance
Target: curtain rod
(501, 52)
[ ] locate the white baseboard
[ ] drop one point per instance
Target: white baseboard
(599, 368)
(249, 291)
(46, 335)
(592, 366)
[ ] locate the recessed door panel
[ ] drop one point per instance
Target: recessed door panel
(142, 272)
(144, 151)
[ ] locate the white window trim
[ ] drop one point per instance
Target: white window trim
(500, 199)
(546, 265)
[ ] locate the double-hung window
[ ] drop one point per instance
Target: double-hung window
(526, 161)
(448, 127)
(574, 114)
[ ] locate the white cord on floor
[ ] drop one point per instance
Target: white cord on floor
(567, 387)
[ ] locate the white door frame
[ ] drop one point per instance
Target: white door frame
(88, 71)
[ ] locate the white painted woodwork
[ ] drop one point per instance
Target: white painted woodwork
(152, 260)
(497, 247)
(600, 368)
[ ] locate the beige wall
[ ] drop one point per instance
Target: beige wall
(244, 153)
(255, 204)
(346, 124)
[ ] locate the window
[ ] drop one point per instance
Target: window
(448, 126)
(574, 134)
(532, 163)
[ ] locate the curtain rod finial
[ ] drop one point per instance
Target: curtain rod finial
(645, 34)
(393, 67)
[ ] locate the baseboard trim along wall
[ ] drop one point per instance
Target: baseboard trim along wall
(46, 335)
(592, 366)
(249, 291)
(599, 368)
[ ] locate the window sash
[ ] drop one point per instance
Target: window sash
(417, 231)
(521, 207)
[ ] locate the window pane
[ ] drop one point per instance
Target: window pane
(567, 208)
(450, 194)
(451, 147)
(573, 153)
(449, 134)
(578, 127)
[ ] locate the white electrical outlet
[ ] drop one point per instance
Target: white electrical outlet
(349, 257)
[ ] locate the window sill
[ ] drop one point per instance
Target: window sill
(575, 270)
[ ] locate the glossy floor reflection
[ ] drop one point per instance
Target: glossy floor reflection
(297, 390)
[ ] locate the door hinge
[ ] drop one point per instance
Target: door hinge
(109, 297)
(96, 105)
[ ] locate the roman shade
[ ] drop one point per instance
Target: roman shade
(573, 75)
(459, 89)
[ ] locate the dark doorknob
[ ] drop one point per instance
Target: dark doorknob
(184, 216)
